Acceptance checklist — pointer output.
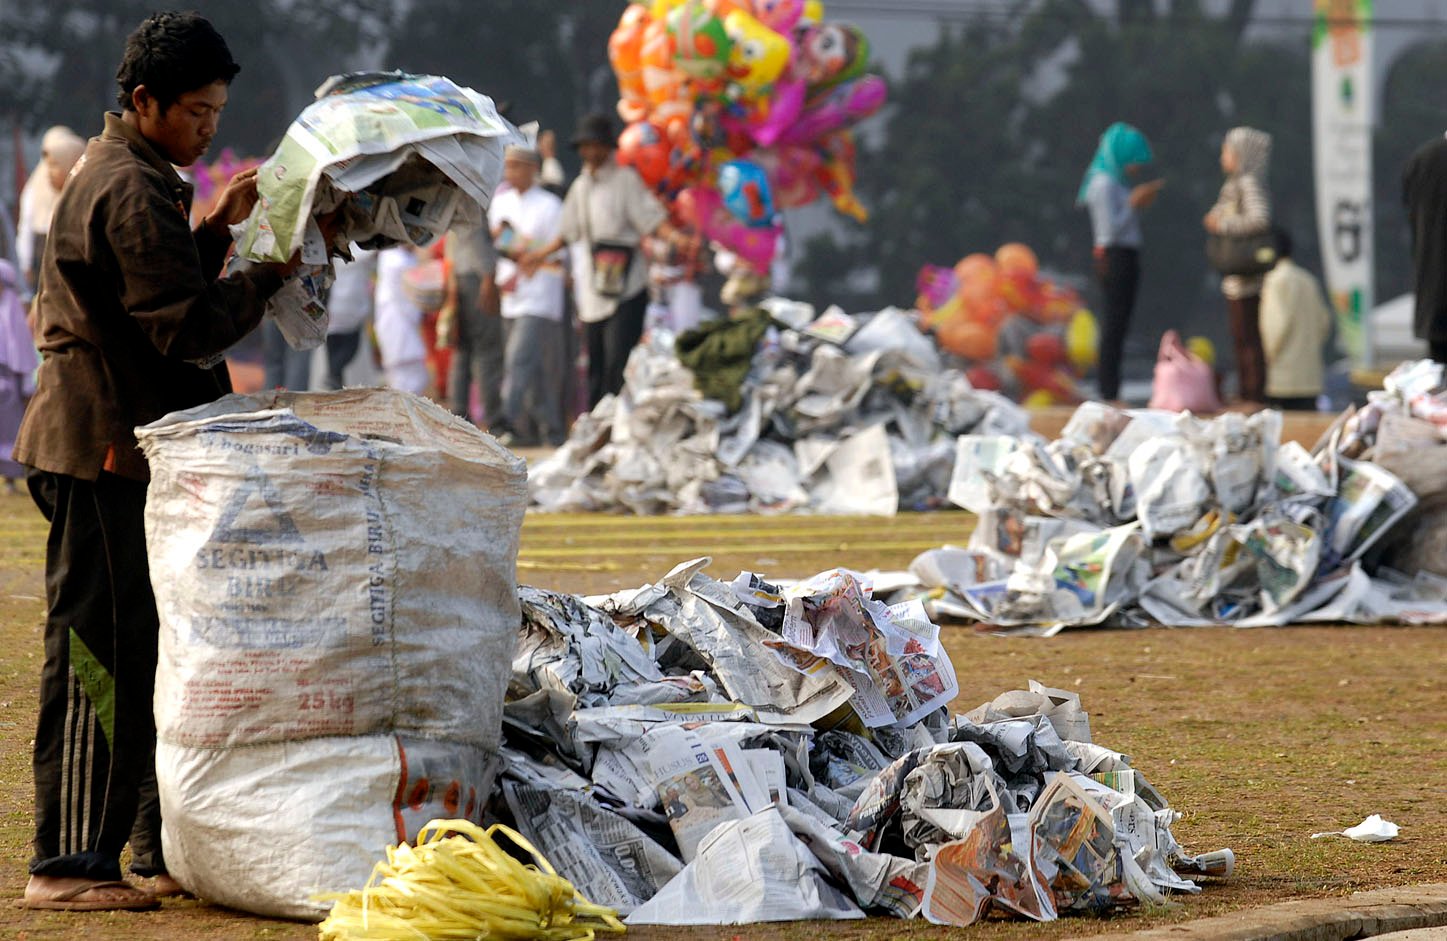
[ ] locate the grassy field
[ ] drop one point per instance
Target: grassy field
(1260, 737)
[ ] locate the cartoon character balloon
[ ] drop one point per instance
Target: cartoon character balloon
(701, 44)
(745, 189)
(759, 54)
(832, 53)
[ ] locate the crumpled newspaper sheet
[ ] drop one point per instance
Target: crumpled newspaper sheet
(398, 158)
(864, 428)
(696, 751)
(1140, 516)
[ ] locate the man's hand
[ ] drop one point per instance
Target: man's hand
(1212, 222)
(235, 202)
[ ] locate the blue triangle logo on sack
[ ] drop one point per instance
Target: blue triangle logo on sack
(256, 484)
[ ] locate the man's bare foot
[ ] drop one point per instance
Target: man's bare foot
(163, 886)
(70, 894)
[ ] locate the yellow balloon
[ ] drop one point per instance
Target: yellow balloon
(758, 55)
(949, 310)
(1082, 340)
(1203, 349)
(813, 13)
(1040, 398)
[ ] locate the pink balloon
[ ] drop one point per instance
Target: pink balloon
(785, 106)
(704, 207)
(843, 105)
(792, 174)
(779, 15)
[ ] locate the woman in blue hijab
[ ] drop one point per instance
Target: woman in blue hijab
(1113, 203)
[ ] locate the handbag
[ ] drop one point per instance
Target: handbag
(1242, 254)
(611, 263)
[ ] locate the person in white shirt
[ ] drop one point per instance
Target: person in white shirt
(398, 322)
(523, 217)
(1295, 325)
(60, 148)
(349, 307)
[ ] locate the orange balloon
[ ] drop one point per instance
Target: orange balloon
(1015, 257)
(988, 311)
(625, 53)
(968, 339)
(1019, 290)
(976, 267)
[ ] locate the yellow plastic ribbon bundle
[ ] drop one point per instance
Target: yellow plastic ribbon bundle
(457, 884)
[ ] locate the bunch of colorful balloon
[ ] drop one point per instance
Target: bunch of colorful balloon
(1020, 334)
(211, 178)
(736, 109)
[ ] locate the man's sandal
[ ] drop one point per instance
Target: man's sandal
(128, 898)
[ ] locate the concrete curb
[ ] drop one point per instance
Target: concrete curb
(1361, 915)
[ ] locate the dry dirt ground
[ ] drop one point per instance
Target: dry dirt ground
(1260, 737)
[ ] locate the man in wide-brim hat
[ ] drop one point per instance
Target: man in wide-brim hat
(609, 210)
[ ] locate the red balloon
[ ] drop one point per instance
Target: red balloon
(983, 377)
(644, 147)
(1046, 348)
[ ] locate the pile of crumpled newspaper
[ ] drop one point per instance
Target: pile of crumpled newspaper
(1139, 517)
(706, 752)
(832, 414)
(392, 158)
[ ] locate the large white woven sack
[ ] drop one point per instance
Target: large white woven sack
(325, 566)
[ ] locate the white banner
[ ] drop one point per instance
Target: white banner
(1341, 105)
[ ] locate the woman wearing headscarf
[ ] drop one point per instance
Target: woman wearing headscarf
(1244, 208)
(1113, 203)
(1424, 189)
(60, 148)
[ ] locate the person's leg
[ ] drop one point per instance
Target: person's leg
(548, 390)
(596, 337)
(95, 733)
(523, 361)
(465, 350)
(624, 330)
(298, 369)
(1250, 357)
(273, 355)
(341, 350)
(491, 365)
(1118, 286)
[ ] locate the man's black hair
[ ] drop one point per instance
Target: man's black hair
(173, 53)
(1283, 243)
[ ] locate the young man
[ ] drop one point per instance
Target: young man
(1295, 325)
(525, 215)
(130, 310)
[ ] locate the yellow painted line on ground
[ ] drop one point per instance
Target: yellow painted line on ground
(731, 538)
(725, 521)
(695, 550)
(533, 564)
